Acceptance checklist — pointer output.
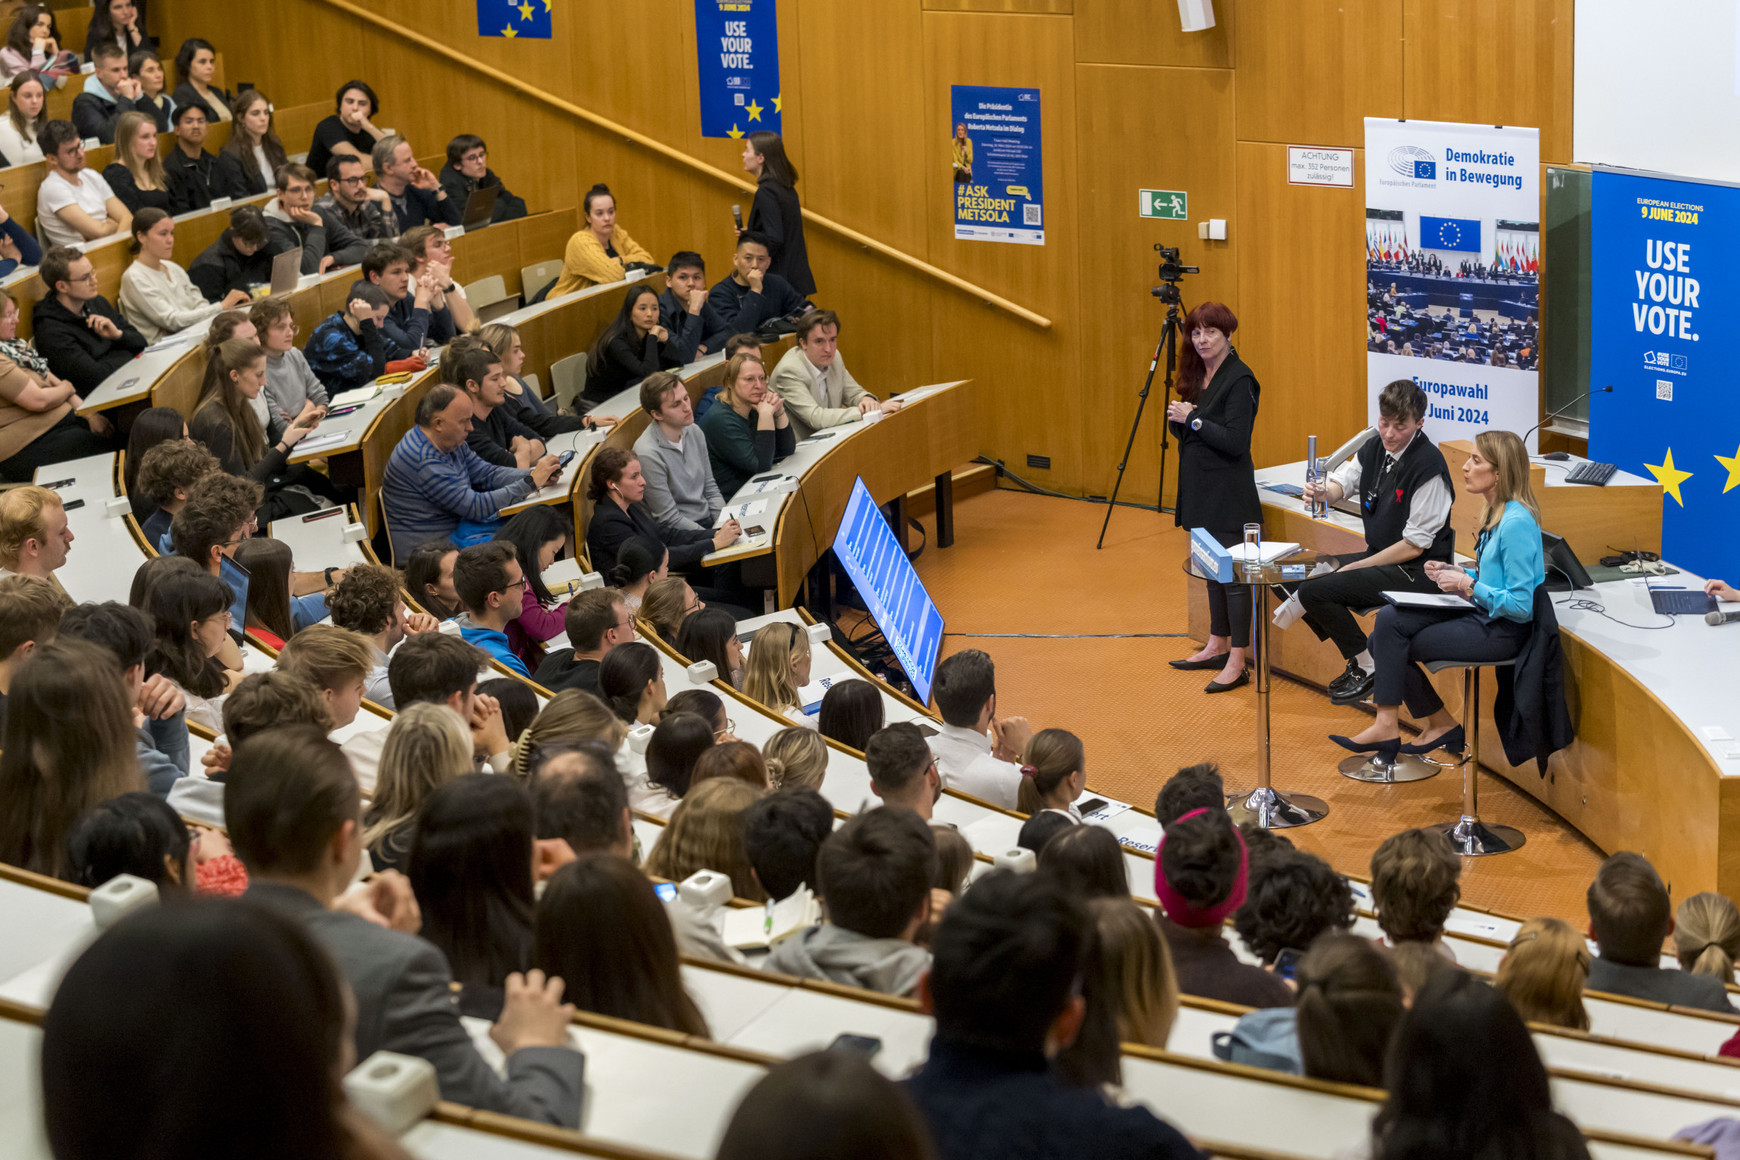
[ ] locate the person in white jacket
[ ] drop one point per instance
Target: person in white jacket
(157, 296)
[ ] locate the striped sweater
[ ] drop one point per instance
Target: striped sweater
(427, 492)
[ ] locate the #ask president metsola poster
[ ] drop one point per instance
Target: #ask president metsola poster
(998, 164)
(1452, 260)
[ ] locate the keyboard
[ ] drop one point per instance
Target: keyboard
(1681, 601)
(1591, 472)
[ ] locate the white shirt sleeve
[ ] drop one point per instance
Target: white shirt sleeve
(1347, 475)
(1428, 512)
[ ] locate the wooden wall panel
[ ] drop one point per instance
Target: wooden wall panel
(1492, 62)
(1310, 71)
(1053, 7)
(1125, 148)
(325, 46)
(1147, 32)
(1301, 303)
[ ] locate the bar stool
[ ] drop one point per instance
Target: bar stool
(1405, 768)
(1471, 836)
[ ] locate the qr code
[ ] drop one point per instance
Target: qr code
(1664, 389)
(1029, 215)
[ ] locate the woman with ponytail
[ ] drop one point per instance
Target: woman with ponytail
(1707, 935)
(632, 683)
(538, 536)
(640, 563)
(1053, 773)
(1349, 1004)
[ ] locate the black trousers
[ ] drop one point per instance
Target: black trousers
(1403, 637)
(1330, 600)
(1229, 605)
(71, 438)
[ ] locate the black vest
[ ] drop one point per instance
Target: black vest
(1384, 497)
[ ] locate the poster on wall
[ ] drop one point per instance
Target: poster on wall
(1665, 260)
(998, 164)
(737, 44)
(1452, 261)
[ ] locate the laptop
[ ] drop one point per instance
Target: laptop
(1680, 601)
(480, 207)
(287, 270)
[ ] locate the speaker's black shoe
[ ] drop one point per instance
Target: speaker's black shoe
(1238, 682)
(1352, 686)
(1217, 661)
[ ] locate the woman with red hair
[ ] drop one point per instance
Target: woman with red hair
(1213, 417)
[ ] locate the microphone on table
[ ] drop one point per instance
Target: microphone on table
(1551, 415)
(1722, 617)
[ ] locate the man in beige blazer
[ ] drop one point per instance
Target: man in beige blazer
(812, 378)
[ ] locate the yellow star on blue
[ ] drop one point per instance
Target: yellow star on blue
(1733, 466)
(1669, 476)
(776, 103)
(509, 32)
(525, 11)
(753, 109)
(735, 131)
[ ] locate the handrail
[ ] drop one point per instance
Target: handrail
(681, 158)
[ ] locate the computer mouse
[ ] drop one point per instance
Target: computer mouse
(1557, 456)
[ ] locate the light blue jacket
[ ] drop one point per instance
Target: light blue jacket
(1511, 566)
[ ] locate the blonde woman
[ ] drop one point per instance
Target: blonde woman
(797, 758)
(427, 746)
(1544, 972)
(1053, 773)
(570, 717)
(706, 833)
(1510, 567)
(779, 666)
(1138, 968)
(1707, 935)
(666, 603)
(136, 173)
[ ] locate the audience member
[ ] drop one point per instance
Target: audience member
(1414, 887)
(74, 204)
(39, 421)
(197, 177)
(34, 536)
(291, 383)
(1053, 774)
(1464, 1080)
(813, 380)
(1416, 964)
(797, 759)
(292, 223)
(416, 195)
(30, 616)
(488, 578)
(367, 212)
(467, 171)
(240, 259)
(1292, 899)
(137, 834)
(1038, 831)
(1630, 917)
(136, 175)
(581, 806)
(17, 247)
(255, 148)
(748, 430)
(706, 833)
(750, 296)
(681, 491)
(162, 746)
(260, 701)
(429, 578)
(24, 118)
(632, 347)
(778, 668)
(1002, 987)
(253, 982)
(293, 812)
(1200, 879)
(737, 344)
(522, 400)
(617, 490)
(225, 421)
(1544, 972)
(1707, 935)
(1194, 787)
(349, 132)
(81, 336)
(441, 669)
(117, 22)
(783, 834)
(851, 712)
(903, 770)
(975, 751)
(412, 320)
(1349, 1004)
(676, 744)
(1136, 964)
(731, 759)
(640, 563)
(667, 603)
(348, 349)
(596, 621)
(694, 326)
(600, 252)
(827, 1105)
(496, 436)
(603, 932)
(217, 517)
(367, 601)
(432, 263)
(67, 745)
(775, 213)
(519, 704)
(875, 873)
(151, 426)
(631, 681)
(426, 748)
(33, 47)
(196, 65)
(157, 296)
(146, 67)
(190, 613)
(334, 660)
(436, 486)
(954, 861)
(571, 717)
(1088, 862)
(109, 93)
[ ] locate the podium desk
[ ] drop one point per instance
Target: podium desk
(1643, 773)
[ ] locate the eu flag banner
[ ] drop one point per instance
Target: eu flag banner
(514, 18)
(737, 45)
(1438, 233)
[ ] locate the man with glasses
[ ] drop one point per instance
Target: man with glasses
(597, 621)
(196, 176)
(366, 212)
(491, 586)
(467, 171)
(74, 204)
(80, 333)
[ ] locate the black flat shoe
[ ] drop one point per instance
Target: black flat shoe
(1453, 741)
(1238, 682)
(1352, 686)
(1385, 750)
(1217, 661)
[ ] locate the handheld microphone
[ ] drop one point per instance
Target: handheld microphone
(1551, 415)
(737, 215)
(1719, 617)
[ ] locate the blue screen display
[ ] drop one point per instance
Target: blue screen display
(902, 609)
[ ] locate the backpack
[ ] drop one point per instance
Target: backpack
(1267, 1039)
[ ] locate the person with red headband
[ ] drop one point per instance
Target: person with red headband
(1200, 878)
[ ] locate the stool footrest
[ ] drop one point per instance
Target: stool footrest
(1272, 810)
(1474, 838)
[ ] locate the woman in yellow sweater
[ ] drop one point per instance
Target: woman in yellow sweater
(603, 251)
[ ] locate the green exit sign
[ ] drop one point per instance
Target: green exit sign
(1170, 204)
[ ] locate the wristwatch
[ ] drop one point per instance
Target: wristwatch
(1196, 424)
(329, 573)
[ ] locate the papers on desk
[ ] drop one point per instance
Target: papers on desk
(1141, 841)
(1267, 552)
(353, 398)
(743, 513)
(754, 928)
(321, 441)
(180, 338)
(774, 486)
(1439, 600)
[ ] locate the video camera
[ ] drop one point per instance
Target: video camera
(1171, 273)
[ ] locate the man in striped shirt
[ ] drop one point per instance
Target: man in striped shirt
(436, 487)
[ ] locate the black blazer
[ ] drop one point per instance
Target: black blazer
(776, 213)
(611, 527)
(1533, 721)
(1217, 482)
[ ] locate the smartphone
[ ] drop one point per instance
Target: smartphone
(1287, 962)
(345, 410)
(1090, 806)
(764, 478)
(667, 891)
(754, 530)
(72, 505)
(565, 459)
(57, 484)
(322, 515)
(737, 215)
(864, 1045)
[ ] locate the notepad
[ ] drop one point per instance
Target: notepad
(321, 441)
(743, 513)
(1440, 600)
(350, 398)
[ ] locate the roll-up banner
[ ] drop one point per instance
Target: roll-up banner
(1452, 249)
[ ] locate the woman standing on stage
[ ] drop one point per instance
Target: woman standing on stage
(1213, 417)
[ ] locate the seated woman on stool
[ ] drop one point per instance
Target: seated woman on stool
(1509, 568)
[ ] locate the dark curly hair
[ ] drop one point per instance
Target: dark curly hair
(364, 601)
(1292, 898)
(1195, 787)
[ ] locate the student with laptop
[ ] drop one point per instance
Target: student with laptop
(240, 259)
(467, 174)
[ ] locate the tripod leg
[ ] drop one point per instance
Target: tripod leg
(1135, 424)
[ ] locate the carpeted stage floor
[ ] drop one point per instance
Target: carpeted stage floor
(1094, 630)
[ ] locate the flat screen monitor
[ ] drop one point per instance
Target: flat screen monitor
(891, 589)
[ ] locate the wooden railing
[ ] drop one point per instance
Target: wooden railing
(499, 78)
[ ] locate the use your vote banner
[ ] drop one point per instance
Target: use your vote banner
(1452, 253)
(737, 46)
(1665, 258)
(998, 164)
